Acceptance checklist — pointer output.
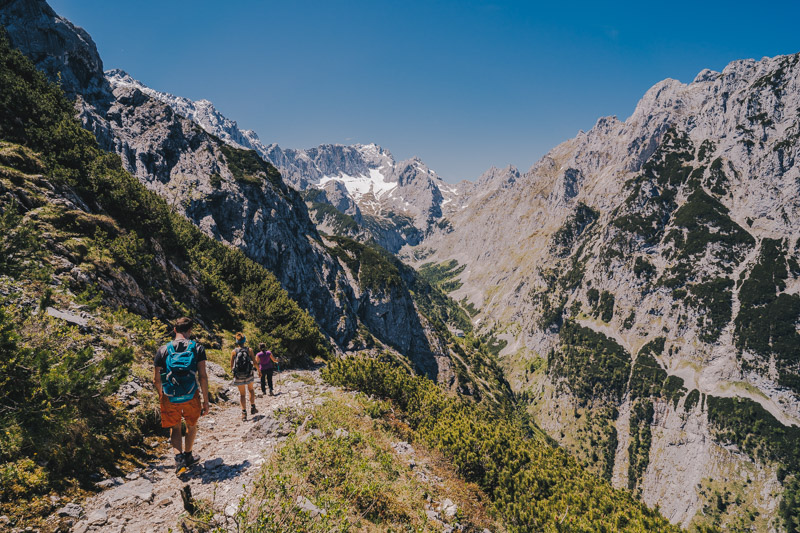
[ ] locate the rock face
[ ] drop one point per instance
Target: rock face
(63, 51)
(676, 229)
(202, 112)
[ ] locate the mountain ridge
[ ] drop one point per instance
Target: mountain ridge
(651, 227)
(377, 184)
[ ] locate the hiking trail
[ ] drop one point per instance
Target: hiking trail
(231, 452)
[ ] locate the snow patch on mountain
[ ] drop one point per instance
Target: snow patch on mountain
(357, 186)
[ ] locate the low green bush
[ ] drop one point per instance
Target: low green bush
(533, 485)
(55, 409)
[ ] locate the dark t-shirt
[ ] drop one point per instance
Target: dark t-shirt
(180, 345)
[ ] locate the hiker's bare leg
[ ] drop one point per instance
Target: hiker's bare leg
(175, 438)
(252, 394)
(242, 399)
(191, 433)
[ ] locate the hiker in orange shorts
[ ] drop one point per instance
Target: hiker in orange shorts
(179, 365)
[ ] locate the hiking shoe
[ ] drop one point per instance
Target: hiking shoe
(253, 409)
(271, 393)
(180, 464)
(189, 460)
(244, 414)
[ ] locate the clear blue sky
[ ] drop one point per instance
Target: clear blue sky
(463, 85)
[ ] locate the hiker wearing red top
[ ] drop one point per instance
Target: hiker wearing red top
(178, 367)
(266, 366)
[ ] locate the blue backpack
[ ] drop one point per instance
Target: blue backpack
(179, 381)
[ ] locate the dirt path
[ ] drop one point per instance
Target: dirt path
(230, 450)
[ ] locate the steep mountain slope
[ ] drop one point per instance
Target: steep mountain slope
(396, 203)
(645, 275)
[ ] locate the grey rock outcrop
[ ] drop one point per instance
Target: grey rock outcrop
(201, 112)
(63, 51)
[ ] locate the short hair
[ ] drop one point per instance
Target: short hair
(262, 346)
(240, 338)
(183, 324)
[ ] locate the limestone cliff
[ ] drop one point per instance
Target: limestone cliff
(663, 246)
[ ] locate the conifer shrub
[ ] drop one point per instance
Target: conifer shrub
(641, 439)
(766, 323)
(691, 400)
(745, 423)
(533, 485)
(371, 264)
(248, 167)
(56, 419)
(576, 224)
(717, 180)
(605, 307)
(714, 300)
(443, 275)
(643, 268)
(592, 365)
(342, 223)
(647, 376)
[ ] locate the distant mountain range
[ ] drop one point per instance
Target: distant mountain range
(401, 200)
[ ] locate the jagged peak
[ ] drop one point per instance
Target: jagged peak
(706, 75)
(118, 73)
(373, 150)
(501, 175)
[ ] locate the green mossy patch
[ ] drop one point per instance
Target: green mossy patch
(443, 275)
(248, 167)
(565, 238)
(713, 299)
(768, 318)
(590, 364)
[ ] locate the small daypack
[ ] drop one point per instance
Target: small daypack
(179, 380)
(242, 364)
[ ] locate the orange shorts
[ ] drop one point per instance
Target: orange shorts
(171, 413)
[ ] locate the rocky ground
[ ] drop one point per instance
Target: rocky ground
(230, 450)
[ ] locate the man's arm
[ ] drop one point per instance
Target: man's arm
(201, 371)
(157, 381)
